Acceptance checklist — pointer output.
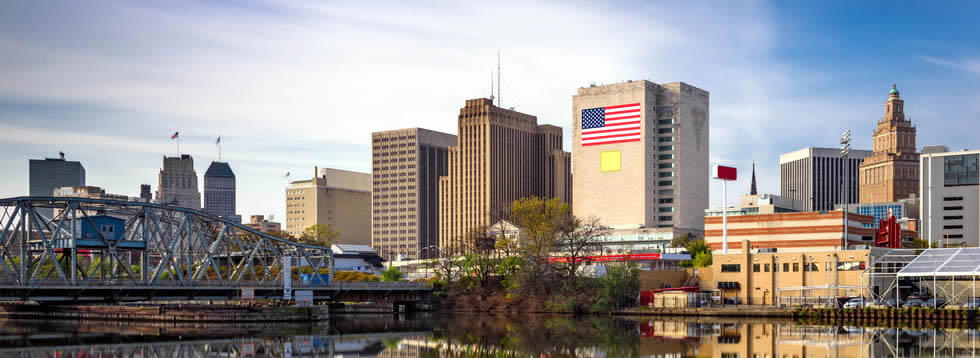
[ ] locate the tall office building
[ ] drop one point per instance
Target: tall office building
(814, 176)
(892, 171)
(501, 155)
(51, 173)
(640, 152)
(339, 198)
(146, 193)
(178, 183)
(405, 199)
(950, 187)
(219, 191)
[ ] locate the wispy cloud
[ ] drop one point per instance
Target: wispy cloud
(969, 65)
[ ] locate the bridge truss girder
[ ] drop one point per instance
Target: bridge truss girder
(158, 247)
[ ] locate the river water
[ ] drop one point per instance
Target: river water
(439, 335)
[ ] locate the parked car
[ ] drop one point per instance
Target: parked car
(914, 302)
(935, 302)
(894, 303)
(855, 303)
(973, 303)
(919, 295)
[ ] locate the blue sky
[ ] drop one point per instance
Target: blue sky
(290, 85)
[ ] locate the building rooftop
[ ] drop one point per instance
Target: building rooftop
(220, 169)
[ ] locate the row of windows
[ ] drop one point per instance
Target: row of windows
(396, 224)
(665, 139)
(665, 130)
(393, 153)
(665, 156)
(666, 209)
(395, 188)
(665, 147)
(953, 198)
(665, 122)
(665, 183)
(392, 139)
(795, 267)
(665, 218)
(665, 165)
(665, 174)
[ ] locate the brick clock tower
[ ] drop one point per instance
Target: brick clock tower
(891, 172)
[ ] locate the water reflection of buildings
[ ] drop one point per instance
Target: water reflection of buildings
(788, 340)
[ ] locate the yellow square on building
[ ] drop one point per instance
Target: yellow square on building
(610, 161)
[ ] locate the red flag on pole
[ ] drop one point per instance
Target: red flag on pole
(175, 135)
(287, 175)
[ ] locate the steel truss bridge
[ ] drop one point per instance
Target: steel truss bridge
(98, 250)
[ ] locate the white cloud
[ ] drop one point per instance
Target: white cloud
(968, 65)
(303, 84)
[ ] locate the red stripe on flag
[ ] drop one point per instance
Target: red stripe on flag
(609, 130)
(610, 136)
(623, 105)
(611, 142)
(622, 124)
(621, 118)
(621, 112)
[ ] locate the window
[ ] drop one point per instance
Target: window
(665, 139)
(810, 266)
(665, 122)
(665, 165)
(666, 200)
(952, 227)
(668, 209)
(665, 192)
(766, 267)
(665, 183)
(755, 268)
(850, 266)
(610, 161)
(952, 208)
(796, 267)
(665, 147)
(665, 109)
(665, 156)
(731, 268)
(665, 130)
(785, 266)
(665, 174)
(953, 198)
(665, 218)
(960, 170)
(955, 217)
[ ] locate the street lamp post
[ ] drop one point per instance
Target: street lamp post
(418, 253)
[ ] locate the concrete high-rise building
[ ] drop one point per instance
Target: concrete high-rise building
(339, 198)
(405, 199)
(178, 183)
(640, 152)
(501, 155)
(892, 171)
(146, 193)
(950, 187)
(219, 191)
(814, 176)
(51, 173)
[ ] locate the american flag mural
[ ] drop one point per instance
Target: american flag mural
(611, 124)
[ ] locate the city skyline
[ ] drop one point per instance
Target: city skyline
(81, 79)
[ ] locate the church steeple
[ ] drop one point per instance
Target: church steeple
(752, 190)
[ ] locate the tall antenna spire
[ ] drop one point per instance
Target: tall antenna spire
(752, 190)
(491, 86)
(499, 97)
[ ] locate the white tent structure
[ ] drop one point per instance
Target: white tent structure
(949, 273)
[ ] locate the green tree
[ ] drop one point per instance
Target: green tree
(319, 234)
(392, 274)
(700, 254)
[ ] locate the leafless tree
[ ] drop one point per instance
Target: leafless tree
(578, 239)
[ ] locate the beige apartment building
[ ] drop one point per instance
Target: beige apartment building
(640, 153)
(407, 164)
(501, 155)
(260, 224)
(891, 172)
(339, 198)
